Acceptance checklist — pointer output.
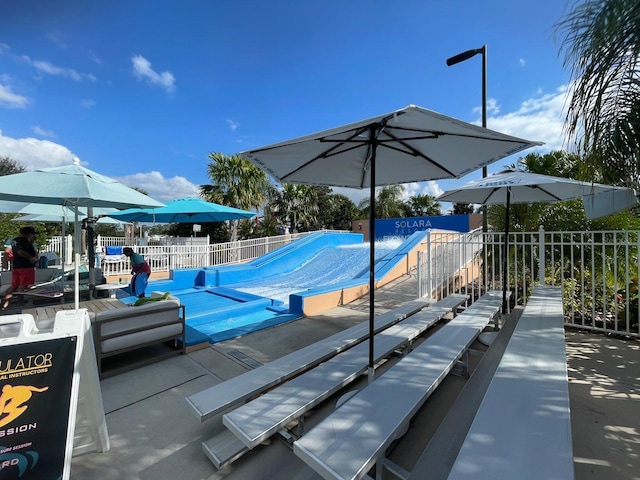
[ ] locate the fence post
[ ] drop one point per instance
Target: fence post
(541, 256)
(429, 276)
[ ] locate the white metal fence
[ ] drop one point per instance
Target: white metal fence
(163, 258)
(598, 271)
(172, 253)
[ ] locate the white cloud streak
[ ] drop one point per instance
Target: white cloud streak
(51, 69)
(142, 71)
(9, 99)
(38, 130)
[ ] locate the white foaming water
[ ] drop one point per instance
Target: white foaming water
(328, 267)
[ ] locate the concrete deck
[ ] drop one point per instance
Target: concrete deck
(155, 435)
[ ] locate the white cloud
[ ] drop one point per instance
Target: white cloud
(38, 130)
(93, 57)
(143, 71)
(57, 38)
(492, 107)
(422, 188)
(160, 188)
(34, 153)
(522, 62)
(10, 99)
(51, 69)
(88, 103)
(540, 118)
(233, 125)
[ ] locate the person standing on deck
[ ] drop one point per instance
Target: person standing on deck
(25, 258)
(140, 270)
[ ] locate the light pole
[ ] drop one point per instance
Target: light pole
(461, 57)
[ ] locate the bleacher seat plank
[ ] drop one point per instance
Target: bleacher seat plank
(523, 426)
(221, 397)
(438, 457)
(261, 418)
(348, 442)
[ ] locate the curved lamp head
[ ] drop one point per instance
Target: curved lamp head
(461, 57)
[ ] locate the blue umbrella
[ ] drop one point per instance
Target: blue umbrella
(183, 210)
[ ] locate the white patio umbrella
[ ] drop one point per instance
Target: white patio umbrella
(72, 186)
(516, 186)
(409, 145)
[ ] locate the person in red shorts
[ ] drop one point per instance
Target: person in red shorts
(23, 272)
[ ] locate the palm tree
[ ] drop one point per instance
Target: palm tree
(601, 41)
(388, 202)
(237, 183)
(422, 205)
(297, 205)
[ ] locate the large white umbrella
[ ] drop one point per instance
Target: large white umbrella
(72, 186)
(516, 186)
(409, 145)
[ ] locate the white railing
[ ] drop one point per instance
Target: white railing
(447, 258)
(172, 253)
(598, 271)
(163, 258)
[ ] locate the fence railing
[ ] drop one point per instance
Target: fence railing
(163, 258)
(172, 253)
(598, 271)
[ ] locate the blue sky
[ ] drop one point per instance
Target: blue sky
(143, 91)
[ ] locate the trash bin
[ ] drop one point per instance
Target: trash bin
(43, 262)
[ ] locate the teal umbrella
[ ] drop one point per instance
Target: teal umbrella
(34, 217)
(72, 186)
(183, 210)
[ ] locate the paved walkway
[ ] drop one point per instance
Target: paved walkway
(155, 436)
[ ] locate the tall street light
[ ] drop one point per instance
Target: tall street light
(461, 57)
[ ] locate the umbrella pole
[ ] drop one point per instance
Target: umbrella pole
(76, 280)
(505, 261)
(372, 254)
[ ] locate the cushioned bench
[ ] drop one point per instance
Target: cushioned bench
(221, 397)
(126, 329)
(348, 442)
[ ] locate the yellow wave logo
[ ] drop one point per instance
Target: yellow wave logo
(13, 400)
